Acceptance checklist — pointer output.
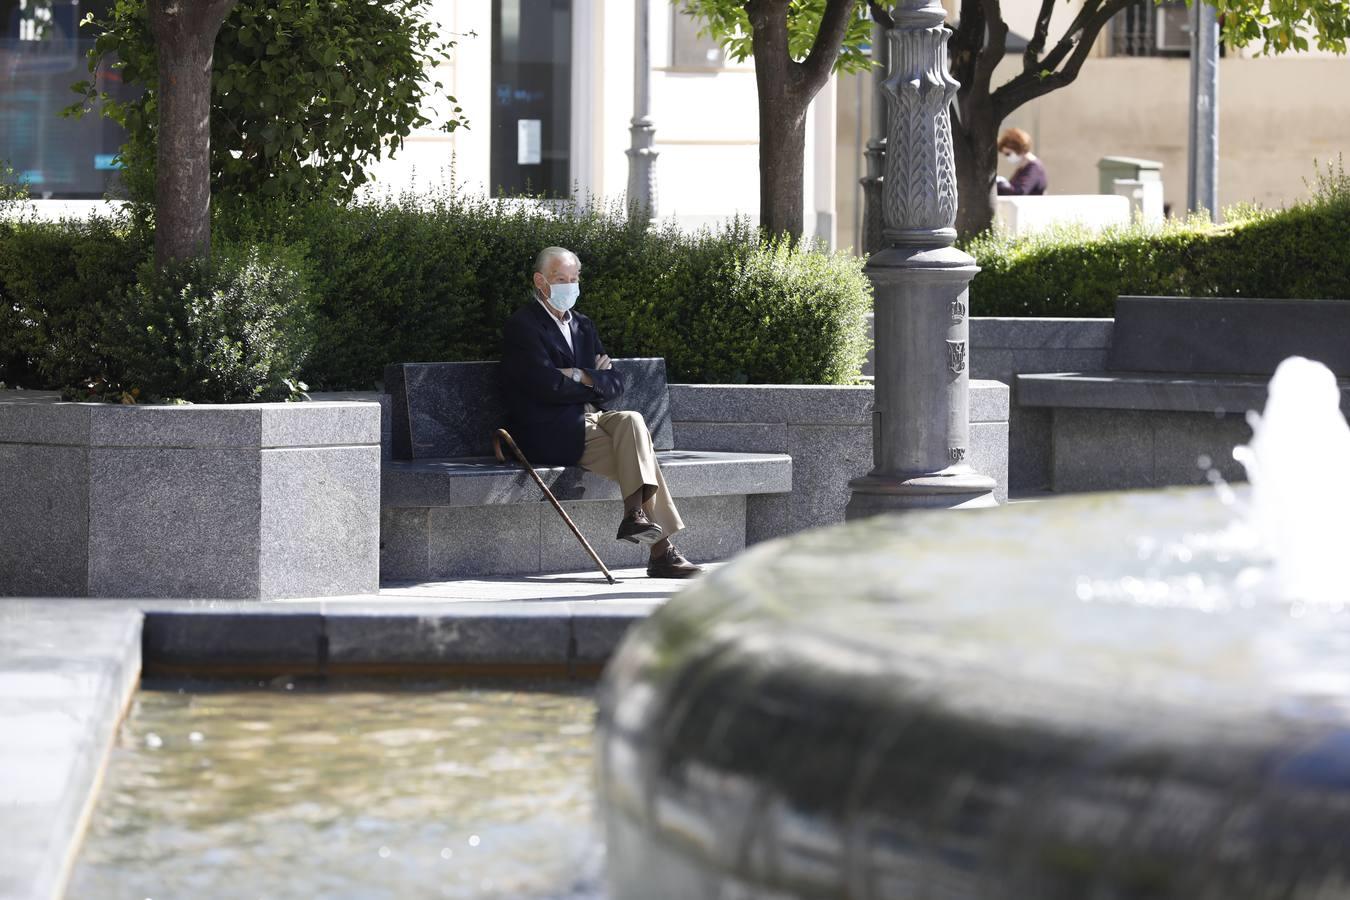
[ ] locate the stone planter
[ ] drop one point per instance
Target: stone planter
(248, 501)
(827, 430)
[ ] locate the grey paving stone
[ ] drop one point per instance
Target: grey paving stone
(988, 401)
(404, 544)
(65, 679)
(795, 404)
(824, 460)
(992, 364)
(1029, 449)
(320, 424)
(1176, 393)
(1181, 439)
(23, 421)
(1038, 333)
(645, 391)
(1227, 336)
(225, 426)
(767, 516)
(1101, 450)
(444, 409)
(44, 520)
(989, 454)
(246, 641)
(595, 636)
(320, 531)
(522, 637)
(734, 437)
(195, 535)
(484, 540)
(481, 482)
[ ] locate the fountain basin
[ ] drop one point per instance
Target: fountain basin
(1095, 697)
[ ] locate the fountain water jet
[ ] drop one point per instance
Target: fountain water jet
(1298, 463)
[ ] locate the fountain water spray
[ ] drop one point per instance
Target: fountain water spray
(1298, 463)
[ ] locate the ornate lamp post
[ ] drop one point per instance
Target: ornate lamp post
(921, 414)
(871, 240)
(641, 155)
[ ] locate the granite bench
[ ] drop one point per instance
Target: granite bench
(1180, 376)
(450, 510)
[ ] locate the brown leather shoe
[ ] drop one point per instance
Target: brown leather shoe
(672, 565)
(639, 529)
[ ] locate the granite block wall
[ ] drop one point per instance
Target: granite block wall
(1002, 348)
(827, 430)
(235, 501)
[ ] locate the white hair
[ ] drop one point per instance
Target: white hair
(549, 254)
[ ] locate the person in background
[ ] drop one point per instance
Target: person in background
(1014, 145)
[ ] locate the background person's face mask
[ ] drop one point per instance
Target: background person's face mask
(1014, 158)
(563, 297)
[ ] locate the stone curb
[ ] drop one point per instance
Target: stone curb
(534, 637)
(64, 685)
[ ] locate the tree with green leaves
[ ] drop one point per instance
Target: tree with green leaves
(274, 100)
(796, 45)
(789, 38)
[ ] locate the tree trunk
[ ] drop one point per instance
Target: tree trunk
(782, 120)
(782, 165)
(975, 140)
(185, 37)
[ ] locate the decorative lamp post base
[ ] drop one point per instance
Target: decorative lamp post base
(921, 408)
(876, 494)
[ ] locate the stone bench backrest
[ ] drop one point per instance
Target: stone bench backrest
(449, 410)
(1215, 336)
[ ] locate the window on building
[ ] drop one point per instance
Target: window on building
(42, 54)
(1146, 28)
(689, 49)
(531, 97)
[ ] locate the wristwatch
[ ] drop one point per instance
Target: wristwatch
(576, 375)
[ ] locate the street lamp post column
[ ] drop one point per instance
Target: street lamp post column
(641, 154)
(921, 414)
(876, 148)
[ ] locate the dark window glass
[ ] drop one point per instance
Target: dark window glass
(1148, 29)
(42, 54)
(531, 97)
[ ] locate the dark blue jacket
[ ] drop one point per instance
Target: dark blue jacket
(545, 408)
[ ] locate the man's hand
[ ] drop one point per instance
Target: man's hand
(603, 362)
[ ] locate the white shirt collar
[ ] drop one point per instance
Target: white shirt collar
(564, 324)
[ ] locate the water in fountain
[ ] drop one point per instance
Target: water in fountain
(1298, 463)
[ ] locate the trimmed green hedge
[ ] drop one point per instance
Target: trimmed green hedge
(56, 281)
(434, 279)
(1299, 253)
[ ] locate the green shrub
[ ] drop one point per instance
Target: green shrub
(235, 329)
(434, 278)
(403, 281)
(1296, 253)
(54, 277)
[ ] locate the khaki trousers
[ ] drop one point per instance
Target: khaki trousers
(619, 447)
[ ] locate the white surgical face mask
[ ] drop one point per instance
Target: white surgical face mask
(563, 297)
(1014, 158)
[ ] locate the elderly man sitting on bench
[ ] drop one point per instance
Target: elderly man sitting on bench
(557, 379)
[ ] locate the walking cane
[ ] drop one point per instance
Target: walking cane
(500, 435)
